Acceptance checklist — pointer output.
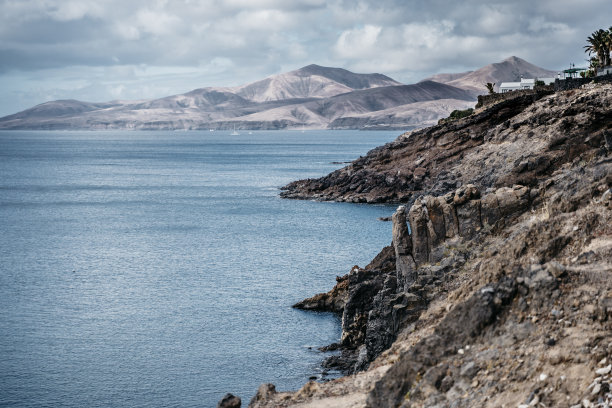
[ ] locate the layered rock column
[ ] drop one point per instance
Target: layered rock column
(432, 220)
(405, 264)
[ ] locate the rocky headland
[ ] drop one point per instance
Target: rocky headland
(496, 290)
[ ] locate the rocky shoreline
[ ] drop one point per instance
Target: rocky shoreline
(496, 289)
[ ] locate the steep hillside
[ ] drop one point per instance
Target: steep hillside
(57, 109)
(408, 116)
(509, 70)
(497, 288)
(446, 78)
(378, 99)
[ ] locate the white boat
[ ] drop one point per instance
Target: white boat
(234, 133)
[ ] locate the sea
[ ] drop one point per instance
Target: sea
(158, 269)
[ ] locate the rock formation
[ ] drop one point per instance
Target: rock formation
(230, 401)
(405, 264)
(497, 288)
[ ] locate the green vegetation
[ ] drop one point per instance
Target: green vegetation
(600, 44)
(457, 114)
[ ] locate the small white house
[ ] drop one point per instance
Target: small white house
(604, 71)
(524, 84)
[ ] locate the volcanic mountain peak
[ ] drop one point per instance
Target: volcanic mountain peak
(312, 81)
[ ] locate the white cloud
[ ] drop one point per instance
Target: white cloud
(127, 31)
(74, 10)
(496, 20)
(358, 43)
(273, 4)
(157, 22)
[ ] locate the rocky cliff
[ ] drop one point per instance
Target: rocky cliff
(496, 290)
(515, 141)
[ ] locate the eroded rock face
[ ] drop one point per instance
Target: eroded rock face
(402, 244)
(433, 220)
(554, 267)
(379, 301)
(363, 286)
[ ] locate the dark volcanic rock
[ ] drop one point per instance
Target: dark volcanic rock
(229, 401)
(332, 301)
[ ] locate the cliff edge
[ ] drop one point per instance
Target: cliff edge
(496, 289)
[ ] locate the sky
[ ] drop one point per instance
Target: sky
(102, 50)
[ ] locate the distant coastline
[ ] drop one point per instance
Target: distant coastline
(312, 97)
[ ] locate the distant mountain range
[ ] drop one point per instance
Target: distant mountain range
(310, 97)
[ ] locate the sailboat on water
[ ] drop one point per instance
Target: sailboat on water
(234, 133)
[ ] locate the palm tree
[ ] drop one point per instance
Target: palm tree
(599, 44)
(609, 44)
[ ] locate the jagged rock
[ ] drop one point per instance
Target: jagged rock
(469, 217)
(433, 220)
(332, 301)
(402, 243)
(229, 401)
(421, 229)
(465, 321)
(265, 393)
(465, 193)
(363, 286)
(442, 216)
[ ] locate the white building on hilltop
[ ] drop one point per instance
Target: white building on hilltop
(604, 71)
(524, 84)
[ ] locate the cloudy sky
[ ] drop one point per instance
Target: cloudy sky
(100, 50)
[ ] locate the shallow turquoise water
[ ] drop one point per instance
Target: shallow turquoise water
(150, 269)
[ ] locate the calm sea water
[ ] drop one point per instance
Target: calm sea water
(156, 269)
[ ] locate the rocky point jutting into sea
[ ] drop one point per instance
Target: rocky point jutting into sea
(496, 289)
